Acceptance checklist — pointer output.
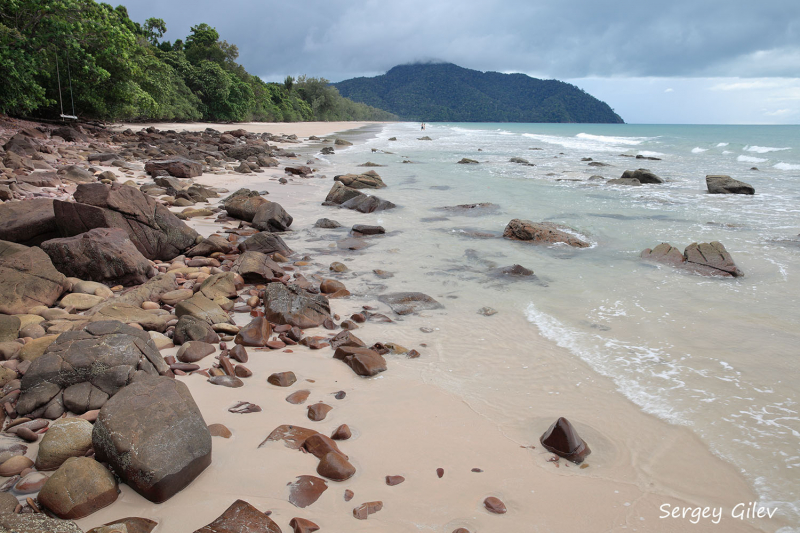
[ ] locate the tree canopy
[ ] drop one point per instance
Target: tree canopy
(119, 69)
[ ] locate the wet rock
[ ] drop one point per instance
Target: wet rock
(625, 181)
(467, 161)
(241, 517)
(219, 430)
(305, 490)
(541, 233)
(363, 361)
(394, 480)
(335, 467)
(514, 270)
(226, 381)
(365, 509)
(368, 230)
(78, 488)
(289, 304)
(65, 438)
(367, 180)
(101, 254)
(479, 209)
(153, 436)
(562, 439)
(256, 267)
(89, 366)
(193, 351)
(494, 505)
(708, 259)
(327, 223)
(190, 328)
(330, 286)
(350, 198)
(404, 303)
(29, 222)
(487, 311)
(200, 307)
(27, 279)
(292, 436)
(346, 338)
(642, 175)
(271, 216)
(155, 231)
(266, 243)
(342, 433)
(282, 379)
(383, 274)
(664, 253)
(298, 397)
(301, 525)
(721, 184)
(318, 411)
(256, 333)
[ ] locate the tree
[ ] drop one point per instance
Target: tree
(154, 29)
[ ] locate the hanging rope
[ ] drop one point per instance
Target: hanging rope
(60, 99)
(58, 74)
(72, 98)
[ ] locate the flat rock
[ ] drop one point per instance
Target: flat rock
(367, 180)
(29, 222)
(130, 313)
(405, 303)
(153, 436)
(131, 524)
(241, 517)
(78, 488)
(35, 523)
(290, 304)
(363, 361)
(721, 184)
(298, 397)
(27, 279)
(305, 490)
(179, 167)
(201, 307)
(266, 243)
(541, 233)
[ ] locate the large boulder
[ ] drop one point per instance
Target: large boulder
(27, 279)
(102, 254)
(243, 204)
(178, 167)
(271, 216)
(128, 314)
(155, 231)
(340, 193)
(256, 267)
(721, 184)
(82, 369)
(266, 243)
(289, 304)
(350, 198)
(211, 244)
(363, 361)
(28, 222)
(367, 180)
(541, 233)
(199, 306)
(79, 488)
(708, 259)
(190, 328)
(642, 175)
(65, 438)
(243, 152)
(153, 436)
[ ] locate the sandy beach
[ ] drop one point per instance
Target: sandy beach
(405, 423)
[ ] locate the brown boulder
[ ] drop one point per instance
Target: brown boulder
(256, 333)
(494, 505)
(106, 255)
(367, 180)
(190, 328)
(289, 304)
(153, 436)
(722, 184)
(318, 411)
(271, 216)
(256, 267)
(28, 222)
(301, 525)
(305, 490)
(562, 439)
(363, 361)
(27, 279)
(241, 517)
(178, 167)
(336, 467)
(541, 233)
(642, 175)
(266, 243)
(199, 306)
(711, 256)
(244, 204)
(79, 488)
(282, 379)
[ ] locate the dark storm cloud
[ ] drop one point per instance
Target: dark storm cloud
(560, 39)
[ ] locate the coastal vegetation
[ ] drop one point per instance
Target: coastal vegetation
(94, 57)
(443, 92)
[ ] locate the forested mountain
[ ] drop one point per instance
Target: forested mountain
(119, 69)
(443, 92)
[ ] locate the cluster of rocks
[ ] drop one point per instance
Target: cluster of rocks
(707, 259)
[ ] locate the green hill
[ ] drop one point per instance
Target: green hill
(443, 92)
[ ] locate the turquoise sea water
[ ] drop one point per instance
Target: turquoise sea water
(719, 356)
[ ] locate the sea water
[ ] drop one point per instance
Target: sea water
(720, 356)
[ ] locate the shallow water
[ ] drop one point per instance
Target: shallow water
(716, 355)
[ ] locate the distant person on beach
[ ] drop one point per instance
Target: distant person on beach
(423, 126)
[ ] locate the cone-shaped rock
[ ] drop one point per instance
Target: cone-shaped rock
(562, 439)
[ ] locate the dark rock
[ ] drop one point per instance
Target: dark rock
(69, 134)
(301, 525)
(350, 198)
(298, 397)
(368, 230)
(541, 233)
(193, 351)
(367, 180)
(298, 171)
(712, 255)
(624, 181)
(153, 436)
(256, 267)
(241, 517)
(514, 270)
(327, 223)
(318, 411)
(394, 480)
(467, 161)
(363, 361)
(190, 328)
(342, 433)
(199, 306)
(27, 279)
(210, 245)
(244, 152)
(346, 338)
(494, 505)
(271, 216)
(256, 333)
(266, 243)
(305, 490)
(336, 467)
(89, 365)
(155, 231)
(562, 439)
(238, 353)
(289, 304)
(78, 488)
(28, 222)
(339, 194)
(105, 255)
(365, 509)
(720, 184)
(404, 303)
(643, 175)
(243, 204)
(282, 379)
(480, 209)
(178, 167)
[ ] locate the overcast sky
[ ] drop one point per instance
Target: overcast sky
(678, 61)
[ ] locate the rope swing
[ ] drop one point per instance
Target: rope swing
(60, 100)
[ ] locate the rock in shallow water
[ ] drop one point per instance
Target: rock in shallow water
(404, 303)
(541, 233)
(721, 184)
(562, 439)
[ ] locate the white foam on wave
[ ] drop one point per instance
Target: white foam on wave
(626, 364)
(727, 152)
(748, 159)
(763, 149)
(698, 150)
(580, 142)
(720, 145)
(786, 166)
(647, 153)
(632, 141)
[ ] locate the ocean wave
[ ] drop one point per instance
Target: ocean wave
(727, 152)
(576, 143)
(748, 159)
(646, 153)
(633, 141)
(786, 166)
(763, 149)
(698, 150)
(720, 145)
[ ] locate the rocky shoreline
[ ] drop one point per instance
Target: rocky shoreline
(109, 293)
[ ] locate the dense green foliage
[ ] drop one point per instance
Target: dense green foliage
(121, 70)
(443, 92)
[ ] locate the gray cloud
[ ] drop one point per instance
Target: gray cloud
(565, 39)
